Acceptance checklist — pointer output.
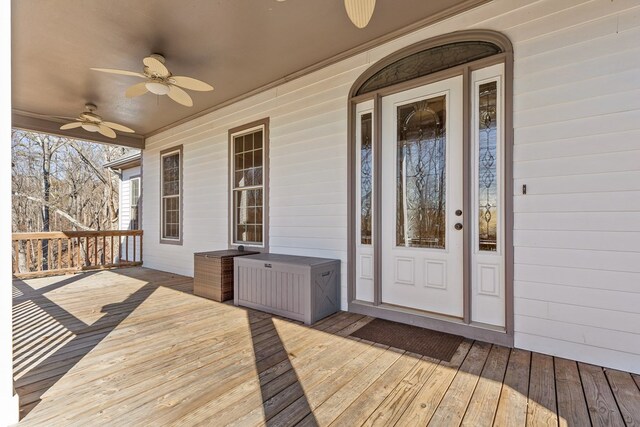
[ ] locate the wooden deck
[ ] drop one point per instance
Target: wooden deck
(135, 347)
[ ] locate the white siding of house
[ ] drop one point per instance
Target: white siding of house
(125, 210)
(577, 148)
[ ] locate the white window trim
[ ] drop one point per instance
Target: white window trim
(163, 238)
(234, 133)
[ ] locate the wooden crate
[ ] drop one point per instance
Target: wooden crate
(213, 273)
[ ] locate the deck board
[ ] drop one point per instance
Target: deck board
(600, 401)
(484, 402)
(542, 392)
(136, 347)
(626, 395)
(572, 406)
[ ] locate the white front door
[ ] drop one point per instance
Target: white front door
(422, 198)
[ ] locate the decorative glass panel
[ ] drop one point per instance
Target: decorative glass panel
(366, 159)
(487, 170)
(421, 174)
(427, 62)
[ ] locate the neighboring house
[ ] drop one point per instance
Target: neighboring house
(129, 171)
(544, 257)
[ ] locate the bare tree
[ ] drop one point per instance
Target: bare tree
(59, 184)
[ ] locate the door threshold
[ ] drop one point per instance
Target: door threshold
(436, 322)
(425, 313)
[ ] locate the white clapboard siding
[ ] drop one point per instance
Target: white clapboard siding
(579, 221)
(125, 213)
(577, 149)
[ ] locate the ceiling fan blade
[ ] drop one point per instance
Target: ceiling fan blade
(71, 126)
(190, 83)
(136, 90)
(360, 11)
(180, 96)
(123, 72)
(116, 126)
(155, 66)
(106, 131)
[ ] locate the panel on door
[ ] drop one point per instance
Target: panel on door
(422, 198)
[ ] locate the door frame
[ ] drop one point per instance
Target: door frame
(377, 308)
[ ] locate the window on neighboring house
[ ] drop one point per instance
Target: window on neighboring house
(171, 213)
(248, 175)
(134, 197)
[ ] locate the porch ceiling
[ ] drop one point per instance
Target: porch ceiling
(238, 46)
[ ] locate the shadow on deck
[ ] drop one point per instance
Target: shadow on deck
(135, 346)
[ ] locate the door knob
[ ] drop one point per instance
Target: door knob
(458, 226)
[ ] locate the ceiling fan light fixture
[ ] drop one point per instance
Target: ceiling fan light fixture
(90, 127)
(157, 88)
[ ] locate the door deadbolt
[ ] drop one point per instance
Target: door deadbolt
(458, 226)
(458, 212)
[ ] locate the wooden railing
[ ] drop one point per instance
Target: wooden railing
(61, 252)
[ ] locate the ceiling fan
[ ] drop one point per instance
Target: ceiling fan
(360, 11)
(160, 81)
(92, 122)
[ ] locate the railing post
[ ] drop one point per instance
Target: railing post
(16, 258)
(28, 255)
(39, 254)
(59, 254)
(69, 251)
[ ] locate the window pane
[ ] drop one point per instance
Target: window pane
(257, 140)
(248, 160)
(421, 174)
(171, 217)
(239, 162)
(248, 216)
(134, 192)
(248, 142)
(257, 158)
(133, 221)
(487, 167)
(238, 144)
(171, 174)
(366, 151)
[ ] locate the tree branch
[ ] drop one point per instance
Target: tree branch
(60, 212)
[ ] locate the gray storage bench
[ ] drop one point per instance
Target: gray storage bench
(300, 288)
